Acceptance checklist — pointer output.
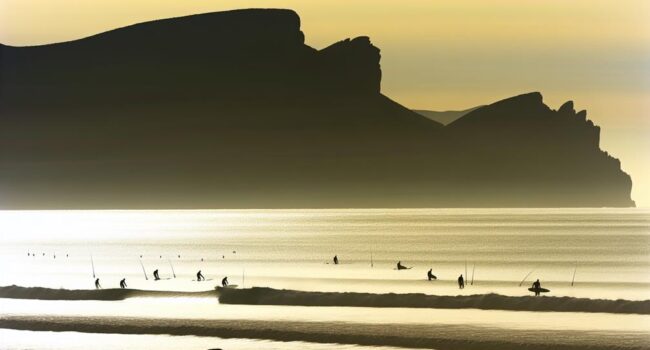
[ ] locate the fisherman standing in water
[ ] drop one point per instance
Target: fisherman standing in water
(431, 276)
(537, 286)
(97, 285)
(401, 267)
(199, 276)
(155, 275)
(461, 282)
(224, 282)
(123, 283)
(336, 260)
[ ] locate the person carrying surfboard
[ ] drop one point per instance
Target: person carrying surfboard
(537, 286)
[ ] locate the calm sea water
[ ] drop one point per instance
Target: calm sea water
(605, 252)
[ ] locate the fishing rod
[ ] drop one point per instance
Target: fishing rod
(522, 281)
(574, 274)
(92, 263)
(172, 266)
(143, 270)
(466, 270)
(473, 268)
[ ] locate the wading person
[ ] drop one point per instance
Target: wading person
(537, 286)
(401, 267)
(431, 276)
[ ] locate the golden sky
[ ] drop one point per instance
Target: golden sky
(441, 55)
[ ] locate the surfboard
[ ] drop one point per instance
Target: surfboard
(231, 286)
(541, 290)
(207, 279)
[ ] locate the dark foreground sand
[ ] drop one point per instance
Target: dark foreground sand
(440, 337)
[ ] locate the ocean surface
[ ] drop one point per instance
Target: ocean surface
(587, 253)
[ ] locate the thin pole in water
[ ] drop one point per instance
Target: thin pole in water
(172, 266)
(92, 263)
(473, 268)
(143, 271)
(574, 274)
(522, 281)
(466, 270)
(243, 278)
(372, 264)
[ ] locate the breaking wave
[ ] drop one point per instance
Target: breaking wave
(269, 296)
(17, 292)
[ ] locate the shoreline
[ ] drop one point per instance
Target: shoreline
(440, 337)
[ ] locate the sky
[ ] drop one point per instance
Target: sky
(441, 55)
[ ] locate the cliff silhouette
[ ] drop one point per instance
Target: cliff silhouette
(233, 110)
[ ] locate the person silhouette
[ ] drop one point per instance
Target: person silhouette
(155, 275)
(199, 276)
(401, 267)
(123, 283)
(537, 286)
(461, 282)
(431, 276)
(97, 285)
(224, 282)
(336, 260)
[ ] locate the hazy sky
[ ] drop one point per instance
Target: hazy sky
(441, 54)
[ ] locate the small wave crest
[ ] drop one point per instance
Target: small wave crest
(18, 292)
(269, 296)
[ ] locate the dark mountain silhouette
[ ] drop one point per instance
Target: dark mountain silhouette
(233, 110)
(444, 117)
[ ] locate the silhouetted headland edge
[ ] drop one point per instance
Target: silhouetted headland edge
(233, 110)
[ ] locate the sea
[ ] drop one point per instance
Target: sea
(575, 253)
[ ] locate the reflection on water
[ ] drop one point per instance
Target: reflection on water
(606, 251)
